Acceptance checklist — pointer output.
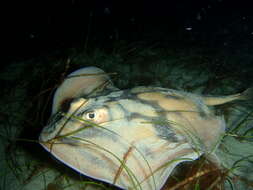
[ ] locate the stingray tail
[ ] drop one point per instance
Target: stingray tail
(247, 95)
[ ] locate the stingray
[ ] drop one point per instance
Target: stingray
(131, 138)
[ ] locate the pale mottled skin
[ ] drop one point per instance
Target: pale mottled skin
(116, 134)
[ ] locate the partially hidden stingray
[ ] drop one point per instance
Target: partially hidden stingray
(131, 138)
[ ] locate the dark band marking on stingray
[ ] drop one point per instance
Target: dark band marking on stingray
(163, 129)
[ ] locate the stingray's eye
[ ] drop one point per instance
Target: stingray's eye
(90, 115)
(96, 116)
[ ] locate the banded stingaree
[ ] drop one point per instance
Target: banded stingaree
(130, 138)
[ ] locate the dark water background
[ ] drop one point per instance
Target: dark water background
(198, 46)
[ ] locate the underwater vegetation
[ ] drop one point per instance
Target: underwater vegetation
(28, 166)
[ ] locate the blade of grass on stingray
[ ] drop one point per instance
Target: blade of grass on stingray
(241, 136)
(149, 167)
(67, 120)
(91, 124)
(101, 86)
(129, 172)
(170, 111)
(118, 173)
